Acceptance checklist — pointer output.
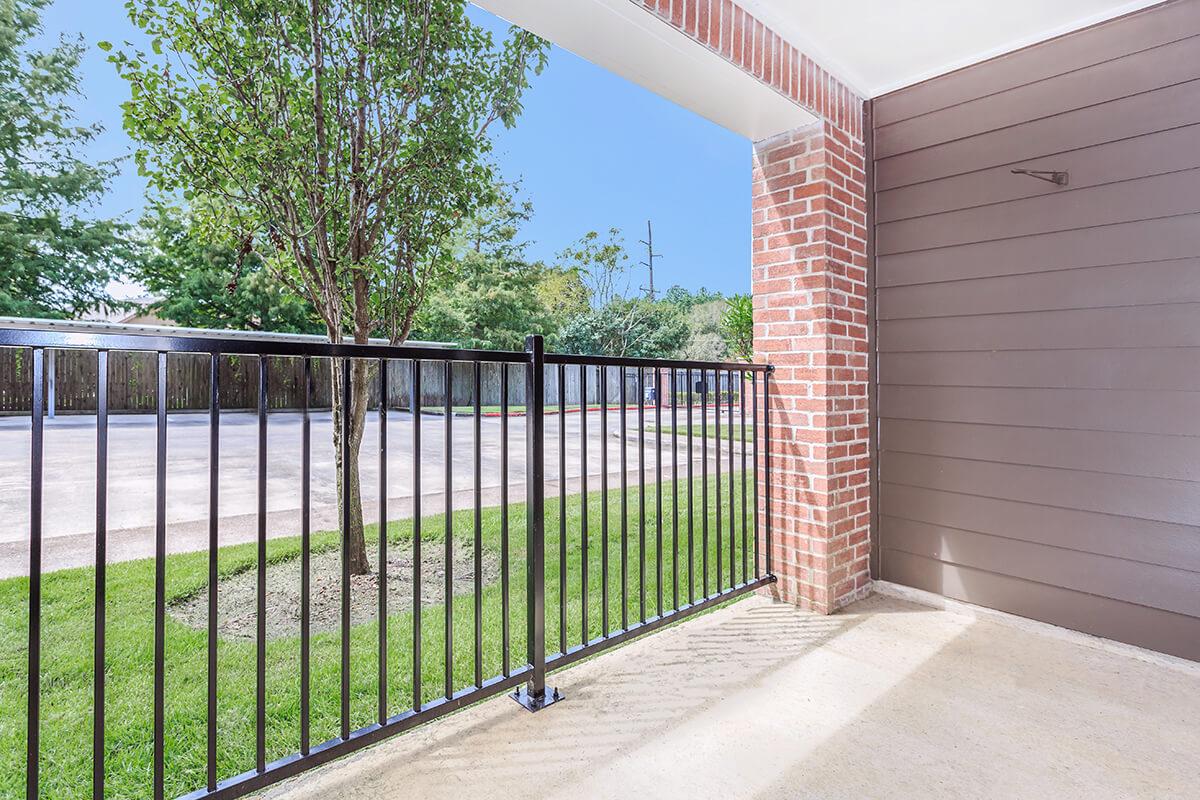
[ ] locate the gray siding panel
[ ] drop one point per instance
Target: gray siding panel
(1038, 347)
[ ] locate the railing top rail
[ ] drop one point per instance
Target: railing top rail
(67, 339)
(660, 363)
(219, 345)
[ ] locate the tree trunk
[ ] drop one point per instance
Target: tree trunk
(360, 370)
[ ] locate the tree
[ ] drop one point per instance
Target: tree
(563, 295)
(629, 327)
(737, 326)
(494, 300)
(53, 261)
(201, 285)
(687, 300)
(616, 324)
(706, 341)
(342, 140)
(601, 265)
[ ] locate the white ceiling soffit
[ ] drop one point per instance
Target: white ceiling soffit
(876, 46)
(627, 40)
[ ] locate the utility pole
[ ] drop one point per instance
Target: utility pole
(649, 262)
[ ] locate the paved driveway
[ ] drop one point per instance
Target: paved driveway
(70, 474)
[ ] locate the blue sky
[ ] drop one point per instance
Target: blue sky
(592, 151)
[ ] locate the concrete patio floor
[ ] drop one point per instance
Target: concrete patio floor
(885, 699)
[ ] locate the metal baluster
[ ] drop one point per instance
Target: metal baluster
(506, 633)
(305, 560)
(448, 460)
(345, 610)
(754, 487)
(383, 542)
(34, 698)
(604, 501)
(732, 516)
(658, 531)
(260, 637)
(214, 471)
(583, 501)
(767, 461)
(562, 509)
(742, 411)
(691, 517)
(414, 402)
(98, 657)
(641, 386)
(160, 575)
(704, 479)
(717, 443)
(624, 503)
(674, 488)
(477, 367)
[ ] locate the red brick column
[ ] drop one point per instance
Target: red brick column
(810, 307)
(810, 321)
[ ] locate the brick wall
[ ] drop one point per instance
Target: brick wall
(810, 307)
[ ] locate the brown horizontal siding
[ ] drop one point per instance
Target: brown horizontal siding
(1156, 499)
(1138, 115)
(1177, 634)
(1156, 283)
(1168, 195)
(1038, 346)
(1154, 153)
(1165, 239)
(1130, 326)
(1129, 75)
(1078, 50)
(1166, 588)
(1173, 458)
(1146, 541)
(1157, 369)
(1160, 413)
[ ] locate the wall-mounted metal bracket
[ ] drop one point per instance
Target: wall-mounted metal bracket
(1050, 176)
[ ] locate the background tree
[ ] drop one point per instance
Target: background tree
(343, 140)
(202, 284)
(493, 300)
(737, 326)
(706, 339)
(616, 324)
(633, 327)
(53, 261)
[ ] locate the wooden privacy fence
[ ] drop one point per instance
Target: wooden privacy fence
(131, 381)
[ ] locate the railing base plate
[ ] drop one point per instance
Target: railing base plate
(533, 703)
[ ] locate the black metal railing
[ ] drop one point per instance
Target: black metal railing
(683, 527)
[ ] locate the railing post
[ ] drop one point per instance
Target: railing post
(534, 695)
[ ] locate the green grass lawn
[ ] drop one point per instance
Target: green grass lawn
(67, 642)
(698, 431)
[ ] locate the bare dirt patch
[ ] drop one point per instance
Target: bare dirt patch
(237, 595)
